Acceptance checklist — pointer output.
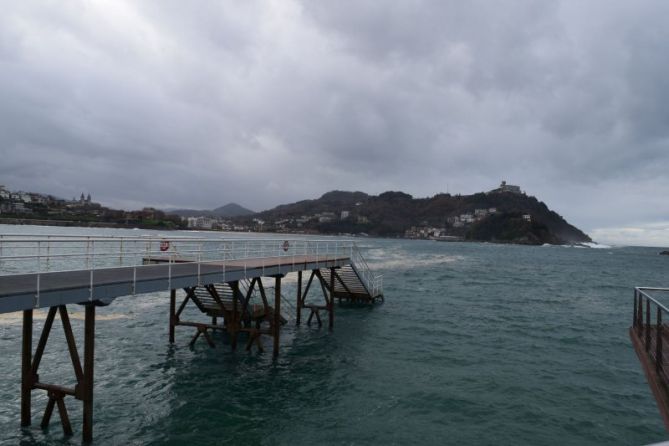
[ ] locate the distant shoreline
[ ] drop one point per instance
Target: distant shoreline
(94, 224)
(67, 223)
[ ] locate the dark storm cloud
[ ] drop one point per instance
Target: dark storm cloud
(171, 104)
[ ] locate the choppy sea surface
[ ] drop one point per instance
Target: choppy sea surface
(475, 344)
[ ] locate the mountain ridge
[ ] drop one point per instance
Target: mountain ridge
(229, 210)
(497, 216)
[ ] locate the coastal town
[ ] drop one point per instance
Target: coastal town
(19, 207)
(342, 217)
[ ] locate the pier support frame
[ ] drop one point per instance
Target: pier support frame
(30, 363)
(26, 370)
(276, 316)
(298, 316)
(332, 298)
(315, 309)
(238, 315)
(173, 316)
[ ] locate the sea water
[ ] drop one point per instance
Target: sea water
(475, 344)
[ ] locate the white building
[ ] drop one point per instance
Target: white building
(503, 187)
(201, 222)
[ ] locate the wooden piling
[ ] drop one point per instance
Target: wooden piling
(173, 305)
(26, 367)
(89, 357)
(276, 323)
(332, 298)
(299, 298)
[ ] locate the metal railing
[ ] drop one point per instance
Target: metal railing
(37, 254)
(649, 328)
(373, 282)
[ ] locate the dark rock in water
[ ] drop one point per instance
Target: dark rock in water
(665, 253)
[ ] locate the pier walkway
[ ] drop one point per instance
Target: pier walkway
(223, 278)
(650, 337)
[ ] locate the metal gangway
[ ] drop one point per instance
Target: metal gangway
(40, 271)
(219, 274)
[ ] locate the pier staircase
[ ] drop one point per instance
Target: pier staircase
(350, 284)
(242, 302)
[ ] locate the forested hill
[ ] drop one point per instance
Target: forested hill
(494, 216)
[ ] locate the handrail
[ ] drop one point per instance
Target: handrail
(649, 337)
(43, 255)
(642, 290)
(38, 254)
(373, 283)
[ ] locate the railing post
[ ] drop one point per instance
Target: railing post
(634, 321)
(299, 297)
(199, 264)
(647, 325)
(88, 252)
(173, 297)
(658, 341)
(26, 368)
(640, 316)
(276, 319)
(48, 251)
(332, 298)
(89, 357)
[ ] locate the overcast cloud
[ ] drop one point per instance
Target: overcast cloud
(197, 104)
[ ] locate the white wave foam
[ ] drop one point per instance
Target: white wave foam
(402, 262)
(596, 245)
(17, 317)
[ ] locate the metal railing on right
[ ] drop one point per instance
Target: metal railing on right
(373, 282)
(649, 329)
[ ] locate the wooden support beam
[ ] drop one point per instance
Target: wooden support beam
(331, 303)
(26, 367)
(314, 312)
(173, 305)
(189, 292)
(321, 280)
(47, 412)
(299, 298)
(71, 344)
(233, 328)
(306, 289)
(89, 357)
(64, 418)
(210, 341)
(41, 344)
(56, 393)
(57, 399)
(247, 298)
(276, 323)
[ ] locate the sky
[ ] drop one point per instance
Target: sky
(197, 104)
